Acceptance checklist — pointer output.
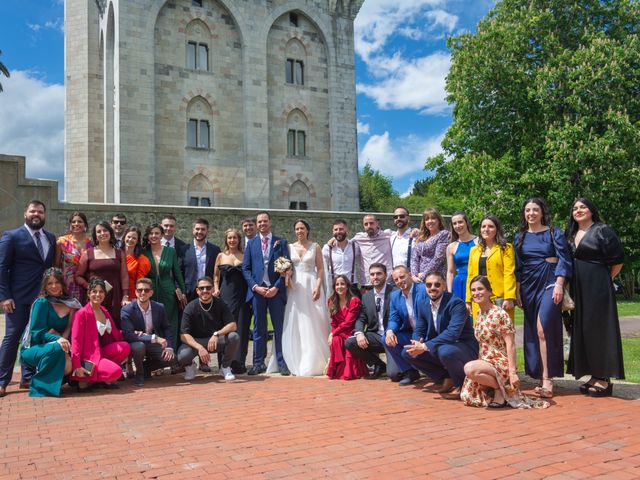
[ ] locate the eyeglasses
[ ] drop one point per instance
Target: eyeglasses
(143, 290)
(434, 284)
(205, 288)
(119, 222)
(396, 217)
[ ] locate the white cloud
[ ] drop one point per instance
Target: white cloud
(401, 156)
(362, 128)
(33, 124)
(417, 83)
(57, 24)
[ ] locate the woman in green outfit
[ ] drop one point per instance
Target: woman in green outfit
(168, 283)
(45, 344)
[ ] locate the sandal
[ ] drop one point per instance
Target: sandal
(545, 392)
(598, 391)
(497, 405)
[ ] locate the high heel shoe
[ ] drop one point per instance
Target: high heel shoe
(546, 392)
(598, 391)
(584, 388)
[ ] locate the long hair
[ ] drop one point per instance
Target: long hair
(147, 231)
(137, 250)
(55, 273)
(82, 216)
(572, 226)
(236, 232)
(424, 231)
(303, 222)
(523, 227)
(104, 224)
(483, 280)
(454, 235)
(334, 299)
(500, 240)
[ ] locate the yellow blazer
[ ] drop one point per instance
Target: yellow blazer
(501, 272)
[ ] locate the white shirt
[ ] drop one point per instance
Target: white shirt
(103, 327)
(374, 249)
(381, 312)
(201, 258)
(148, 319)
(409, 301)
(435, 306)
(343, 262)
(168, 243)
(43, 239)
(400, 247)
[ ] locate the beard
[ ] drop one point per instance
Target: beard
(340, 237)
(34, 223)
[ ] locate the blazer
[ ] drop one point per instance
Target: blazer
(253, 265)
(21, 266)
(189, 264)
(180, 246)
(367, 320)
(453, 320)
(398, 314)
(131, 320)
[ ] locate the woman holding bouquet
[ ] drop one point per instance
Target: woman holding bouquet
(306, 318)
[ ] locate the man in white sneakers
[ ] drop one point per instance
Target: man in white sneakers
(207, 327)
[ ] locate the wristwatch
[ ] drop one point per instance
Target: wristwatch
(215, 334)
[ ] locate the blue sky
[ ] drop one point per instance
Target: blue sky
(401, 65)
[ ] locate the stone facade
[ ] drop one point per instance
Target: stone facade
(228, 103)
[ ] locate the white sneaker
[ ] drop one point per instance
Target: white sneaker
(190, 372)
(227, 374)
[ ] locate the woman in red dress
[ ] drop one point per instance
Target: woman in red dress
(344, 309)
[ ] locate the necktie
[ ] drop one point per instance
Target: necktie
(378, 304)
(39, 244)
(265, 243)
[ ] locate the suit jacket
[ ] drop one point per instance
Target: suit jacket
(131, 320)
(189, 264)
(368, 318)
(180, 246)
(398, 314)
(501, 270)
(21, 266)
(253, 265)
(453, 320)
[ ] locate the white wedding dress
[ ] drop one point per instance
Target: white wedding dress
(306, 323)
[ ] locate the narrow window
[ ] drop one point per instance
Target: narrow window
(303, 205)
(193, 201)
(192, 133)
(300, 144)
(291, 143)
(205, 202)
(293, 19)
(299, 72)
(203, 57)
(191, 55)
(293, 205)
(289, 70)
(196, 3)
(204, 134)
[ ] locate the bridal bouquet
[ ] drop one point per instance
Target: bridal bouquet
(282, 265)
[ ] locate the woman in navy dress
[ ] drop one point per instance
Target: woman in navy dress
(462, 241)
(543, 265)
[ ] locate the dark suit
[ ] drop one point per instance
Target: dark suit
(451, 344)
(253, 270)
(131, 320)
(399, 322)
(179, 245)
(368, 324)
(189, 266)
(21, 269)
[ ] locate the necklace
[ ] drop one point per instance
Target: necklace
(205, 309)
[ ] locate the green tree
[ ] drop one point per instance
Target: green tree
(3, 70)
(376, 191)
(546, 101)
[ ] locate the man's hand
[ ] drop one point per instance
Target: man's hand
(391, 340)
(168, 355)
(161, 341)
(213, 343)
(363, 343)
(416, 348)
(8, 305)
(204, 355)
(271, 292)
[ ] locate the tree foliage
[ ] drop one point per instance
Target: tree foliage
(546, 102)
(376, 191)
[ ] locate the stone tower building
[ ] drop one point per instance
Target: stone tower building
(230, 103)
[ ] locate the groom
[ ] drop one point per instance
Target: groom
(267, 289)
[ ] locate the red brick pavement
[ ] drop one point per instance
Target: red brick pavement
(274, 427)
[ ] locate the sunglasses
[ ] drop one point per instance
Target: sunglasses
(396, 217)
(119, 222)
(143, 290)
(205, 288)
(435, 284)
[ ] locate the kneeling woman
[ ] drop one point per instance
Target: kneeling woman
(344, 308)
(45, 344)
(496, 365)
(96, 339)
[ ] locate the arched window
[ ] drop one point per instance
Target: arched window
(297, 133)
(200, 192)
(198, 37)
(199, 127)
(294, 64)
(299, 196)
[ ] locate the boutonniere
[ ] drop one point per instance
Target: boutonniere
(276, 244)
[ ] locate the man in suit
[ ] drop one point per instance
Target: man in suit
(248, 230)
(443, 339)
(146, 328)
(366, 342)
(198, 257)
(25, 253)
(403, 308)
(267, 290)
(119, 225)
(169, 226)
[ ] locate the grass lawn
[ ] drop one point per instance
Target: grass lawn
(628, 308)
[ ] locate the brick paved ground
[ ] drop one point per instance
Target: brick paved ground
(274, 427)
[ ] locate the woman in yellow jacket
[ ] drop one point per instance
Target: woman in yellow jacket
(494, 258)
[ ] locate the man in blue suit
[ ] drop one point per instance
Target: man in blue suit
(443, 340)
(25, 253)
(146, 328)
(403, 307)
(267, 289)
(198, 257)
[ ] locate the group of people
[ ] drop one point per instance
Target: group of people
(434, 300)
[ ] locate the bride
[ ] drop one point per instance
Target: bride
(306, 318)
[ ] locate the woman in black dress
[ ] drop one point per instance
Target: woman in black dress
(596, 347)
(230, 285)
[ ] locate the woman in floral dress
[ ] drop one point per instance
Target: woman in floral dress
(69, 249)
(496, 366)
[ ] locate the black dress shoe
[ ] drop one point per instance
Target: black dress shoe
(237, 368)
(257, 369)
(284, 371)
(378, 371)
(409, 377)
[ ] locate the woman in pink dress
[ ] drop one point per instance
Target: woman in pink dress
(344, 308)
(96, 339)
(69, 249)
